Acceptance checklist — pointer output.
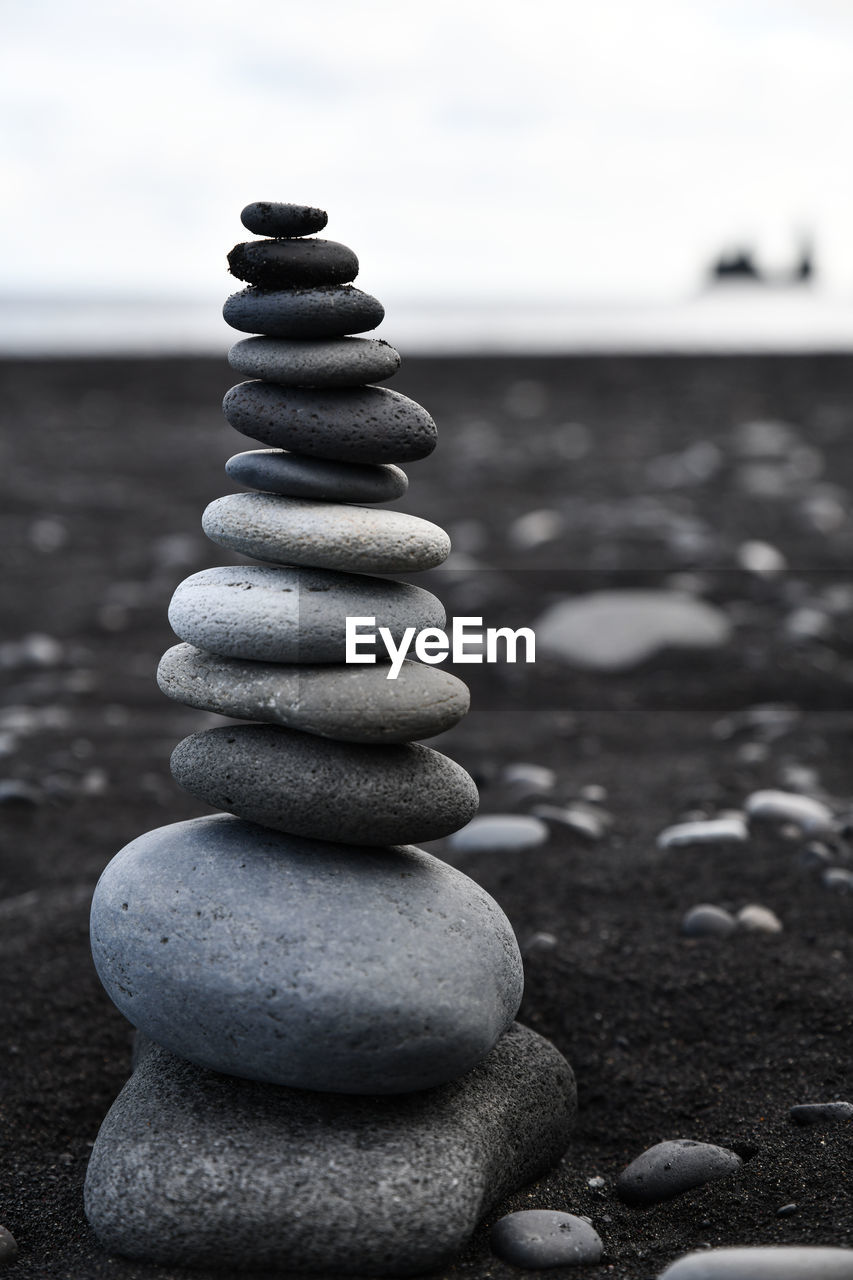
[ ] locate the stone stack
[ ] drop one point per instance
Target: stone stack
(331, 1078)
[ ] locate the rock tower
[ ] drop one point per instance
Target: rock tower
(330, 1077)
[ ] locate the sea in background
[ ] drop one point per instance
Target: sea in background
(728, 319)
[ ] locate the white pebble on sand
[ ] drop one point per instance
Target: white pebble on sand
(729, 830)
(811, 816)
(758, 919)
(499, 833)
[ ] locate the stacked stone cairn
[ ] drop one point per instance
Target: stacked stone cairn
(330, 1077)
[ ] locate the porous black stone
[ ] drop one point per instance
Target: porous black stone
(279, 264)
(325, 312)
(272, 218)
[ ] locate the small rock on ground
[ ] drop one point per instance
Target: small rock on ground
(764, 1262)
(706, 921)
(821, 1112)
(539, 1238)
(8, 1247)
(669, 1168)
(500, 833)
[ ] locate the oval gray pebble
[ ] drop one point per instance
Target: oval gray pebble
(326, 362)
(327, 790)
(708, 921)
(540, 1238)
(764, 1262)
(669, 1168)
(303, 963)
(356, 424)
(350, 703)
(294, 476)
(291, 615)
(280, 264)
(500, 833)
(274, 218)
(821, 1112)
(324, 312)
(325, 535)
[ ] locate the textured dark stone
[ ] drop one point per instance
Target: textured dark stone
(353, 424)
(281, 264)
(272, 218)
(328, 312)
(669, 1168)
(539, 1238)
(295, 476)
(324, 362)
(196, 1168)
(304, 963)
(326, 790)
(822, 1112)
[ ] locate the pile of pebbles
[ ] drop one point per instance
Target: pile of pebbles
(329, 1077)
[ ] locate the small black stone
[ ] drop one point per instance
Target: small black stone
(281, 264)
(329, 312)
(271, 218)
(821, 1112)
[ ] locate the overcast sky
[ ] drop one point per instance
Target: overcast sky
(464, 148)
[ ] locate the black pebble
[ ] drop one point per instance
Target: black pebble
(281, 264)
(326, 312)
(271, 218)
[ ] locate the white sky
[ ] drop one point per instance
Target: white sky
(464, 148)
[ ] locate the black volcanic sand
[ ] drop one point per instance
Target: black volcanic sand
(107, 466)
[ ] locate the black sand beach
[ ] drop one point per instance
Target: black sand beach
(106, 467)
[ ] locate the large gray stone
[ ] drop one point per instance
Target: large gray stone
(328, 312)
(298, 962)
(281, 264)
(764, 1262)
(352, 703)
(352, 424)
(324, 362)
(669, 1168)
(276, 471)
(327, 790)
(324, 535)
(195, 1168)
(291, 615)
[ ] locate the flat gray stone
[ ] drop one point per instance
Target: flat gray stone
(325, 789)
(822, 1112)
(764, 1262)
(281, 264)
(291, 474)
(193, 1168)
(500, 833)
(291, 615)
(355, 424)
(324, 535)
(351, 703)
(324, 362)
(274, 218)
(728, 830)
(325, 312)
(304, 963)
(669, 1168)
(540, 1238)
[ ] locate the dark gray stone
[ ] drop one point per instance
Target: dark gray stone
(272, 218)
(304, 963)
(276, 471)
(328, 312)
(324, 535)
(350, 703)
(708, 921)
(8, 1247)
(196, 1168)
(356, 424)
(281, 264)
(822, 1112)
(539, 1238)
(271, 614)
(764, 1262)
(324, 362)
(327, 790)
(669, 1168)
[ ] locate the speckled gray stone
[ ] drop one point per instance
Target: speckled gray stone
(191, 1167)
(764, 1262)
(303, 963)
(324, 789)
(325, 535)
(822, 1112)
(280, 264)
(325, 312)
(272, 614)
(540, 1238)
(350, 703)
(356, 424)
(291, 474)
(273, 218)
(669, 1168)
(324, 362)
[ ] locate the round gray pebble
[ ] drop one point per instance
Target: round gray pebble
(291, 615)
(303, 963)
(294, 476)
(327, 790)
(8, 1246)
(708, 921)
(821, 1112)
(669, 1168)
(325, 312)
(350, 703)
(540, 1238)
(280, 264)
(273, 218)
(764, 1262)
(325, 535)
(326, 362)
(356, 424)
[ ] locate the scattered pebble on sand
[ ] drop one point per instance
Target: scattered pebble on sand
(811, 816)
(760, 558)
(821, 1112)
(499, 833)
(669, 1168)
(8, 1247)
(758, 919)
(582, 818)
(708, 921)
(540, 1238)
(839, 879)
(728, 830)
(764, 1262)
(532, 779)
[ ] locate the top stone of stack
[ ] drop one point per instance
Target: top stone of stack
(272, 218)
